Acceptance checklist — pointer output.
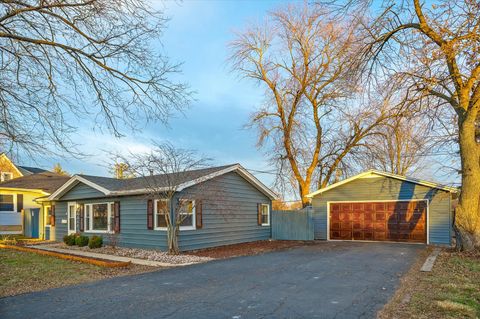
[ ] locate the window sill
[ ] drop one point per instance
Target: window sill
(181, 228)
(264, 225)
(98, 232)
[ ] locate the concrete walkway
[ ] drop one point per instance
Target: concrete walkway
(137, 261)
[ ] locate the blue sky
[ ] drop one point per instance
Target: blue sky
(197, 35)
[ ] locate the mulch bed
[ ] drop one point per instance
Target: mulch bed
(247, 249)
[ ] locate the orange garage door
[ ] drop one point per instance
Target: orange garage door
(379, 221)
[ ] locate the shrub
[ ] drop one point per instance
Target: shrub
(81, 241)
(69, 239)
(95, 242)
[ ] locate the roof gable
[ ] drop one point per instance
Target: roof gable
(135, 186)
(375, 173)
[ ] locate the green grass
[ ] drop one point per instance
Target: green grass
(451, 290)
(22, 272)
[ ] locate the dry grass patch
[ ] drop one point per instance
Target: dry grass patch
(450, 290)
(22, 272)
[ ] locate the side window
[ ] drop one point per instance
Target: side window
(265, 215)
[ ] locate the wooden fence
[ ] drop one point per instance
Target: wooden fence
(292, 225)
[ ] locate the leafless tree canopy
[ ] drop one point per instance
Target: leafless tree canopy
(161, 172)
(95, 60)
(432, 49)
(304, 58)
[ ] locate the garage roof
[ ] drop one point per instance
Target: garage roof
(372, 173)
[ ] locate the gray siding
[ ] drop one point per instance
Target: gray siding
(384, 188)
(229, 216)
(81, 191)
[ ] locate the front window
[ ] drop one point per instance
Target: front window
(187, 214)
(265, 215)
(6, 203)
(99, 217)
(162, 208)
(6, 176)
(72, 211)
(48, 214)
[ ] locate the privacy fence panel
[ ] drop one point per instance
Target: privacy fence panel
(292, 225)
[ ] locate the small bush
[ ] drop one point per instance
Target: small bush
(95, 242)
(69, 239)
(81, 241)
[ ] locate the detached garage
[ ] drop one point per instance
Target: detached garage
(379, 206)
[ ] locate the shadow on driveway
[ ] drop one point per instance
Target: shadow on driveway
(327, 280)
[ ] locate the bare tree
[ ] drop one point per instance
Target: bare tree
(162, 172)
(303, 59)
(401, 147)
(92, 60)
(433, 50)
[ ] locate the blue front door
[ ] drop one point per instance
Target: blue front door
(35, 222)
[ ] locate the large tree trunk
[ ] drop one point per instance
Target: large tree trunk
(467, 217)
(304, 189)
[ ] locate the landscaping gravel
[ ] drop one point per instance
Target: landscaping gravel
(148, 254)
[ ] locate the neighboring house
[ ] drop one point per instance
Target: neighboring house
(379, 206)
(9, 170)
(23, 205)
(225, 205)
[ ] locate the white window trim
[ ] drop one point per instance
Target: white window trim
(155, 214)
(109, 215)
(46, 216)
(194, 215)
(192, 227)
(14, 204)
(268, 214)
(69, 204)
(8, 173)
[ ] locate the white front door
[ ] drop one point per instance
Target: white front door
(72, 218)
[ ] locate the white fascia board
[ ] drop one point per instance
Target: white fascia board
(238, 168)
(74, 180)
(385, 174)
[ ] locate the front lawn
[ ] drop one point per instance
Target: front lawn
(451, 290)
(22, 272)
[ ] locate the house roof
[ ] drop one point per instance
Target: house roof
(26, 170)
(23, 170)
(45, 182)
(373, 173)
(140, 185)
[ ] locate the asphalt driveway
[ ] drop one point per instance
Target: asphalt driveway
(328, 280)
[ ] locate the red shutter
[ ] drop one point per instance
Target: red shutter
(19, 203)
(198, 214)
(82, 217)
(150, 214)
(116, 220)
(259, 214)
(52, 216)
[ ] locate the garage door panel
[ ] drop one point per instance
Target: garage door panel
(335, 225)
(358, 235)
(380, 221)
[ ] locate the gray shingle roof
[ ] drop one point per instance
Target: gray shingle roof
(30, 170)
(163, 180)
(46, 181)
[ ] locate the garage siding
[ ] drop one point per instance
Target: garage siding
(385, 188)
(229, 216)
